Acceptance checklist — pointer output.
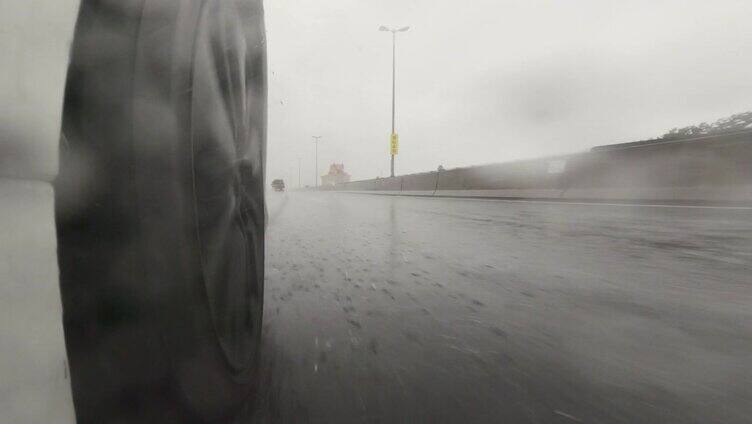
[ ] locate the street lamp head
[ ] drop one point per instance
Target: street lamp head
(403, 29)
(383, 28)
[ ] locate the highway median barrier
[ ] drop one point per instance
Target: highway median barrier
(711, 169)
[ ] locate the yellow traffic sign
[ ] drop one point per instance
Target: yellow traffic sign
(394, 144)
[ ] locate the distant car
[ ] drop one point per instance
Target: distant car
(278, 185)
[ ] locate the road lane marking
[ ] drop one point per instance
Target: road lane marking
(644, 205)
(556, 202)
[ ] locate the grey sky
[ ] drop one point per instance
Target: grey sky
(483, 81)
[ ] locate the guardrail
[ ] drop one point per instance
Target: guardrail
(705, 169)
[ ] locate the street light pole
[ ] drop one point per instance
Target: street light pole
(394, 89)
(299, 186)
(316, 141)
(394, 84)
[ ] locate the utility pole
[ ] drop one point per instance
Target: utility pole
(316, 139)
(299, 186)
(394, 140)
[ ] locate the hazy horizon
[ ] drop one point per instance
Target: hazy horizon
(494, 81)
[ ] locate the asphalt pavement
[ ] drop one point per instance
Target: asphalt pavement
(402, 309)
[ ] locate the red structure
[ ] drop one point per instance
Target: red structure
(336, 175)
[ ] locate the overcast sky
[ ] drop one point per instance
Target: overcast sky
(482, 81)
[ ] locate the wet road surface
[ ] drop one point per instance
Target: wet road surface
(398, 309)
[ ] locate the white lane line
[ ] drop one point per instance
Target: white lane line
(638, 205)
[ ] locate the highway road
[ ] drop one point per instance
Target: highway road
(402, 309)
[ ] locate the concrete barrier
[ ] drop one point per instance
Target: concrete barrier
(424, 181)
(710, 169)
(34, 382)
(388, 184)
